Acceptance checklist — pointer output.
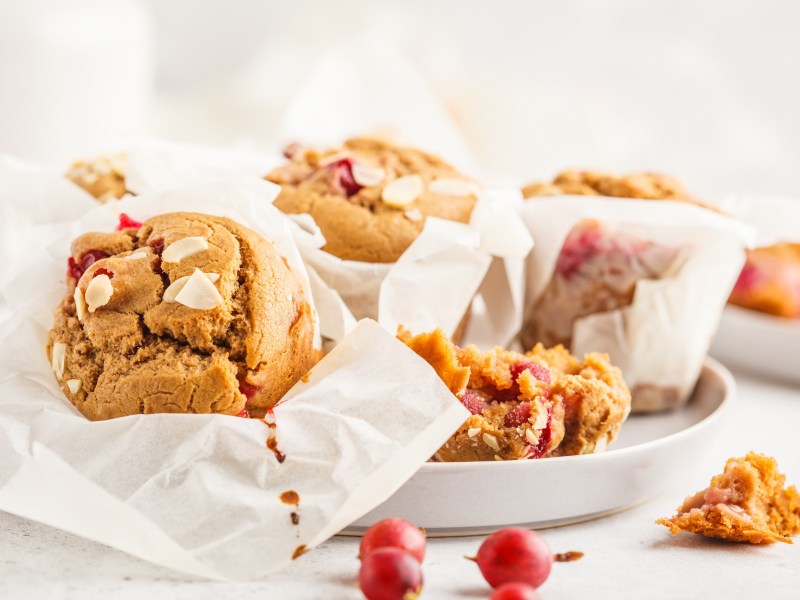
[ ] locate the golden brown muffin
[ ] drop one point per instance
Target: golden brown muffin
(188, 313)
(543, 403)
(747, 502)
(371, 198)
(770, 281)
(648, 186)
(103, 178)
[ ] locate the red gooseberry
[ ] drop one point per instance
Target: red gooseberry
(395, 533)
(390, 574)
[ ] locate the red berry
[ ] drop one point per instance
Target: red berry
(344, 174)
(538, 371)
(514, 555)
(244, 414)
(76, 268)
(518, 415)
(125, 222)
(394, 533)
(473, 400)
(248, 389)
(390, 574)
(514, 591)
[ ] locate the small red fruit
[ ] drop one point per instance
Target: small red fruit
(394, 533)
(473, 400)
(343, 168)
(390, 574)
(125, 222)
(515, 555)
(514, 591)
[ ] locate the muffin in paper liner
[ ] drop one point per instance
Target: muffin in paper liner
(211, 495)
(643, 281)
(402, 237)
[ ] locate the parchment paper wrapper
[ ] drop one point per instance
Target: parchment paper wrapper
(201, 494)
(661, 339)
(775, 218)
(435, 281)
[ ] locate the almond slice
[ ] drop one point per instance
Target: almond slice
(137, 254)
(403, 191)
(198, 292)
(184, 248)
(450, 186)
(491, 441)
(413, 215)
(531, 437)
(473, 431)
(541, 420)
(99, 292)
(176, 286)
(74, 385)
(366, 175)
(57, 362)
(80, 303)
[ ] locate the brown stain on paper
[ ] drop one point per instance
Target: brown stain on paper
(290, 497)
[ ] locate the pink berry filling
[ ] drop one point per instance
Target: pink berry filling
(125, 222)
(474, 401)
(76, 268)
(748, 278)
(343, 169)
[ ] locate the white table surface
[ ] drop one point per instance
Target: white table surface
(627, 556)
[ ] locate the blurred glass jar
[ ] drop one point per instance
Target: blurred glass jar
(76, 78)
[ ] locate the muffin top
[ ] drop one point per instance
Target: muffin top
(186, 313)
(370, 198)
(103, 178)
(646, 186)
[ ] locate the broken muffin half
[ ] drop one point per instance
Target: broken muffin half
(543, 403)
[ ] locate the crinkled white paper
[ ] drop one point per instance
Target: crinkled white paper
(662, 337)
(434, 282)
(201, 493)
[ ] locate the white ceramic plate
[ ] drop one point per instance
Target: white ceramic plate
(759, 343)
(652, 454)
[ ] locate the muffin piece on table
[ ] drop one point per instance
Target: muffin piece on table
(103, 178)
(747, 502)
(370, 198)
(770, 281)
(188, 313)
(524, 406)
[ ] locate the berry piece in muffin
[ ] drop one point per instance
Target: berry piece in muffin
(596, 271)
(103, 178)
(370, 198)
(525, 406)
(747, 502)
(187, 313)
(770, 281)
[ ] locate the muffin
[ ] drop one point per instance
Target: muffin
(770, 281)
(647, 186)
(370, 198)
(187, 313)
(103, 178)
(747, 502)
(525, 406)
(599, 267)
